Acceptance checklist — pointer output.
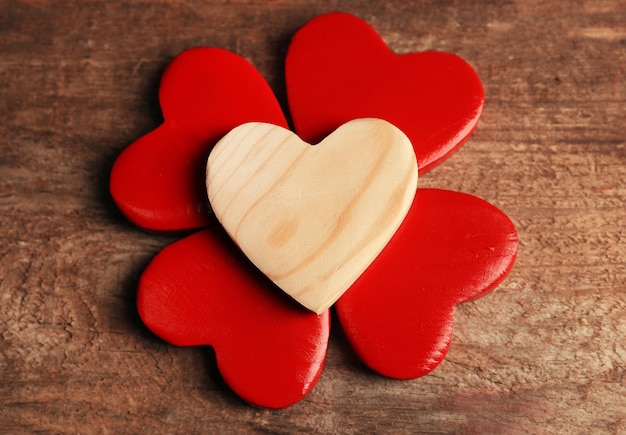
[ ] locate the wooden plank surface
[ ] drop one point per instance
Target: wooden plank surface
(544, 353)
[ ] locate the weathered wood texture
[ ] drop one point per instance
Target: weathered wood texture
(544, 353)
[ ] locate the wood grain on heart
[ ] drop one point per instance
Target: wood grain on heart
(312, 217)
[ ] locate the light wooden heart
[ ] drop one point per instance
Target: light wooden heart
(312, 217)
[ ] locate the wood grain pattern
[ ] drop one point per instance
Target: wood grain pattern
(543, 353)
(312, 217)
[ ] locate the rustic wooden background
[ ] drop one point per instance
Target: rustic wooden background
(544, 353)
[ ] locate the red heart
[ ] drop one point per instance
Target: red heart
(452, 247)
(202, 290)
(338, 69)
(158, 181)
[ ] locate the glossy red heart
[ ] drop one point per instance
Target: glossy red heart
(158, 181)
(202, 290)
(451, 248)
(338, 69)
